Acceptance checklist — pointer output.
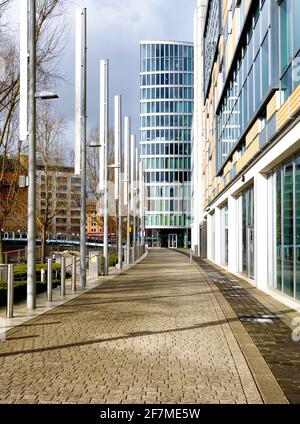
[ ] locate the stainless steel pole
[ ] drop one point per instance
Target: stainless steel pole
(63, 276)
(118, 169)
(74, 271)
(49, 281)
(31, 241)
(133, 193)
(10, 292)
(104, 93)
(127, 130)
(83, 113)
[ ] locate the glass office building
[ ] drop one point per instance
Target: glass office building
(249, 75)
(166, 114)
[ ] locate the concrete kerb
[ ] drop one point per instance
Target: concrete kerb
(22, 315)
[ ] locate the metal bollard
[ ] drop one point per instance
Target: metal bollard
(43, 275)
(191, 256)
(49, 281)
(74, 273)
(10, 292)
(63, 276)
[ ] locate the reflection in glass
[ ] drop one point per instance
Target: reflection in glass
(288, 233)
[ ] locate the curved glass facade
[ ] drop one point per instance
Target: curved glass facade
(166, 111)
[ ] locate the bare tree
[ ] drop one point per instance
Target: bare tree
(51, 31)
(50, 159)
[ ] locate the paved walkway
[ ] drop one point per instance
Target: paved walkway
(160, 332)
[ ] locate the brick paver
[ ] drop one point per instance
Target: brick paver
(154, 334)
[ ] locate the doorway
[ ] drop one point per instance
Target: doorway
(172, 241)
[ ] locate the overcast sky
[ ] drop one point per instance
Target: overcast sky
(115, 29)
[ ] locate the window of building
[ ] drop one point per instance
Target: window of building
(287, 221)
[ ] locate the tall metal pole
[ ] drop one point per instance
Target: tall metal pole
(83, 115)
(127, 130)
(118, 198)
(142, 203)
(133, 191)
(104, 78)
(23, 120)
(31, 243)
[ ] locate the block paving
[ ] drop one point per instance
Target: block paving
(160, 332)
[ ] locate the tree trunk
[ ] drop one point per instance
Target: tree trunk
(43, 244)
(1, 249)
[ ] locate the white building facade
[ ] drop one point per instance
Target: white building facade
(250, 170)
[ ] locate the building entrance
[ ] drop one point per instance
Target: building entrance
(172, 241)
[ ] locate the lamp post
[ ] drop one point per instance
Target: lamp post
(117, 166)
(103, 157)
(32, 97)
(127, 160)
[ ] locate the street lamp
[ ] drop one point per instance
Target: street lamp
(33, 95)
(46, 95)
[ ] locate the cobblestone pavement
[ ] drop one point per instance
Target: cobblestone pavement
(161, 332)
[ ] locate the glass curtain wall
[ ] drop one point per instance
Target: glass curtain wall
(166, 113)
(224, 239)
(288, 228)
(248, 232)
(289, 45)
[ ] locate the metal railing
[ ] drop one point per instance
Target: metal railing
(7, 274)
(9, 271)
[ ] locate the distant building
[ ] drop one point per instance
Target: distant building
(166, 112)
(13, 197)
(64, 189)
(94, 225)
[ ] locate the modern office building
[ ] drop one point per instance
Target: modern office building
(249, 95)
(59, 188)
(166, 113)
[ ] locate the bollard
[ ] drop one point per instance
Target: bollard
(43, 275)
(191, 256)
(10, 292)
(49, 281)
(63, 276)
(19, 257)
(74, 273)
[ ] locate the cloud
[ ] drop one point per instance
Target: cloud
(115, 29)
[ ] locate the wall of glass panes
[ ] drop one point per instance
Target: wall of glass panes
(166, 116)
(289, 46)
(211, 35)
(168, 220)
(287, 233)
(166, 58)
(249, 84)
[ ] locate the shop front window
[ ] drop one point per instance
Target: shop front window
(288, 228)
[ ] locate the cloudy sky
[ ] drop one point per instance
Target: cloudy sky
(115, 29)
